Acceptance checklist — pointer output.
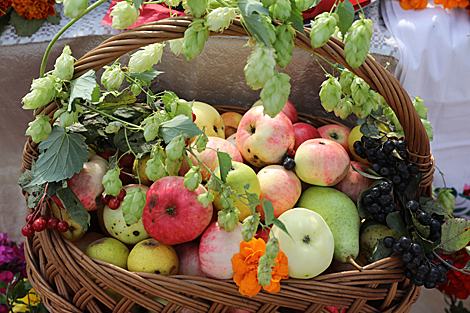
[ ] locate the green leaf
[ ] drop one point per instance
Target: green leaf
(24, 27)
(433, 207)
(54, 19)
(138, 3)
(136, 140)
(380, 251)
(371, 131)
(252, 198)
(74, 207)
(455, 234)
(168, 97)
(268, 209)
(146, 76)
(19, 291)
(395, 222)
(281, 225)
(467, 249)
(124, 97)
(62, 156)
(3, 285)
(427, 245)
(27, 285)
(467, 267)
(250, 11)
(296, 18)
(345, 12)
(41, 308)
(176, 126)
(225, 164)
(423, 230)
(96, 94)
(53, 187)
(367, 174)
(4, 20)
(82, 87)
(35, 192)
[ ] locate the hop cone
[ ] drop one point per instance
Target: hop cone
(194, 38)
(197, 7)
(344, 108)
(272, 248)
(193, 178)
(205, 198)
(357, 42)
(268, 3)
(63, 67)
(111, 182)
(43, 90)
(155, 169)
(270, 28)
(418, 104)
(144, 59)
(249, 228)
(201, 142)
(75, 8)
(330, 93)
(112, 77)
(265, 265)
(303, 5)
(345, 79)
(174, 149)
(359, 91)
(39, 129)
(364, 110)
(151, 126)
(176, 46)
(260, 66)
(220, 18)
(124, 14)
(281, 9)
(275, 94)
(323, 27)
(68, 118)
(133, 206)
(173, 166)
(113, 127)
(446, 199)
(284, 44)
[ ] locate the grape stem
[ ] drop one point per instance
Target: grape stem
(449, 265)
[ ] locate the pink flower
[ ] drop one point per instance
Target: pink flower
(466, 189)
(6, 277)
(3, 309)
(4, 239)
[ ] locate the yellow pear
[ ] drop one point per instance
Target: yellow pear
(109, 250)
(75, 231)
(150, 256)
(208, 116)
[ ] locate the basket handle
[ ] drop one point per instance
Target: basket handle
(374, 74)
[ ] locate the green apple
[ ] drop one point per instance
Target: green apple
(208, 116)
(150, 256)
(109, 250)
(310, 246)
(240, 175)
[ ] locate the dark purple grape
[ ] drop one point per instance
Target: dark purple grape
(400, 145)
(405, 243)
(389, 242)
(406, 257)
(385, 200)
(385, 187)
(424, 218)
(412, 205)
(416, 249)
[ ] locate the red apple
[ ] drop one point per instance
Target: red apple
(87, 183)
(280, 186)
(321, 162)
(263, 140)
(290, 111)
(188, 256)
(337, 133)
(209, 156)
(263, 234)
(232, 139)
(172, 213)
(304, 132)
(353, 184)
(216, 249)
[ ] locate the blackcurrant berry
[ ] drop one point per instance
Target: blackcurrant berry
(412, 205)
(432, 274)
(402, 167)
(396, 179)
(416, 249)
(375, 167)
(435, 226)
(406, 257)
(409, 274)
(435, 236)
(413, 168)
(441, 279)
(417, 282)
(357, 144)
(385, 200)
(400, 145)
(390, 208)
(449, 262)
(375, 208)
(369, 142)
(405, 176)
(405, 243)
(423, 269)
(397, 248)
(375, 193)
(384, 171)
(389, 146)
(289, 163)
(389, 242)
(368, 199)
(401, 186)
(424, 218)
(385, 187)
(429, 284)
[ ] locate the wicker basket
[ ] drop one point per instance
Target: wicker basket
(56, 267)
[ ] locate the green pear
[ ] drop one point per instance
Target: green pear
(150, 256)
(109, 250)
(340, 214)
(371, 235)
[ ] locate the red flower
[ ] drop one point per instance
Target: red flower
(37, 9)
(4, 6)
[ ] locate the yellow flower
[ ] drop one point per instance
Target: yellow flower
(34, 300)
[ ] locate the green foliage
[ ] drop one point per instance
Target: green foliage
(345, 11)
(82, 87)
(178, 125)
(296, 18)
(396, 223)
(74, 207)
(250, 11)
(146, 76)
(455, 235)
(225, 164)
(380, 251)
(25, 28)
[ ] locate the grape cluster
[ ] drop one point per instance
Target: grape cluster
(434, 221)
(38, 224)
(421, 268)
(388, 158)
(379, 201)
(113, 202)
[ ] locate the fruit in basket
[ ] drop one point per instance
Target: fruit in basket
(75, 231)
(151, 256)
(340, 214)
(172, 214)
(263, 140)
(310, 250)
(337, 133)
(237, 178)
(231, 121)
(216, 250)
(116, 224)
(280, 186)
(188, 256)
(232, 139)
(109, 250)
(209, 156)
(321, 162)
(371, 232)
(88, 238)
(87, 183)
(290, 111)
(207, 115)
(140, 165)
(304, 132)
(354, 183)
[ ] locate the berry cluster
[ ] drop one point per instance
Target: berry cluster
(379, 201)
(388, 158)
(434, 221)
(421, 268)
(38, 224)
(288, 160)
(113, 202)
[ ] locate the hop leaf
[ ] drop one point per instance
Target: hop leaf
(330, 93)
(145, 58)
(205, 198)
(111, 182)
(194, 38)
(249, 227)
(193, 178)
(446, 199)
(281, 9)
(133, 206)
(359, 91)
(39, 129)
(43, 90)
(428, 128)
(124, 14)
(323, 27)
(63, 67)
(260, 66)
(357, 42)
(75, 8)
(174, 149)
(220, 18)
(284, 44)
(112, 77)
(197, 7)
(275, 94)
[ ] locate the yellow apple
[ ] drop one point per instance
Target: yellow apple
(231, 121)
(75, 231)
(207, 115)
(237, 178)
(109, 250)
(150, 256)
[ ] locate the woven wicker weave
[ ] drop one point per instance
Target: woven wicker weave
(56, 267)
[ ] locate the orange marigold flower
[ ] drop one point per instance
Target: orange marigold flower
(4, 5)
(37, 9)
(449, 4)
(413, 4)
(245, 265)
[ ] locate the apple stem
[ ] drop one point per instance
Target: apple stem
(353, 263)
